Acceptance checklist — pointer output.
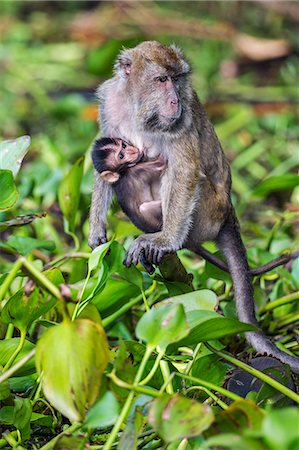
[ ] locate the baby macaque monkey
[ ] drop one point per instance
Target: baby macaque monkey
(135, 180)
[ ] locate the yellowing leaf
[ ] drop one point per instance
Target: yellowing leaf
(72, 357)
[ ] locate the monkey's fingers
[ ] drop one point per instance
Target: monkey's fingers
(133, 254)
(147, 265)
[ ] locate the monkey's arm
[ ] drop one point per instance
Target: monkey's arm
(179, 194)
(101, 199)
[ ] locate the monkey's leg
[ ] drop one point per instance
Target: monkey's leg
(101, 199)
(230, 243)
(152, 213)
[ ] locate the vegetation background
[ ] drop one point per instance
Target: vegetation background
(107, 381)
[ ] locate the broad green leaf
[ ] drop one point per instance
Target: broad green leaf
(115, 293)
(4, 390)
(21, 310)
(278, 183)
(8, 190)
(97, 255)
(281, 429)
(115, 260)
(202, 299)
(24, 244)
(209, 368)
(22, 415)
(72, 357)
(129, 437)
(215, 328)
(162, 326)
(12, 153)
(240, 417)
(103, 413)
(22, 384)
(232, 442)
(177, 417)
(8, 347)
(7, 417)
(69, 193)
(67, 442)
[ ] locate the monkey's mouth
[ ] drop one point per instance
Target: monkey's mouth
(159, 122)
(137, 160)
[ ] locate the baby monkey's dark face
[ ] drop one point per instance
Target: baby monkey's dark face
(114, 155)
(123, 154)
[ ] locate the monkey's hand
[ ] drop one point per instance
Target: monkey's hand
(95, 239)
(150, 247)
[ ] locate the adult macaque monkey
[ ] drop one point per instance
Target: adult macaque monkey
(150, 103)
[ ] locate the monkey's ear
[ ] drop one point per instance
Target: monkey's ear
(184, 63)
(110, 177)
(124, 63)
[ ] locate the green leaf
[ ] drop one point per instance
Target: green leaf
(103, 413)
(72, 357)
(21, 310)
(240, 417)
(202, 299)
(177, 417)
(22, 415)
(4, 389)
(24, 245)
(69, 193)
(97, 256)
(8, 190)
(232, 442)
(209, 368)
(278, 183)
(12, 153)
(281, 429)
(162, 326)
(215, 328)
(129, 437)
(8, 347)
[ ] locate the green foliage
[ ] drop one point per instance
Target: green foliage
(71, 358)
(93, 354)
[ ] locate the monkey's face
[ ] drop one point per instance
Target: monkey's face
(123, 155)
(157, 81)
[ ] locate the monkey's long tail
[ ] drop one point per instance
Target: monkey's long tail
(230, 243)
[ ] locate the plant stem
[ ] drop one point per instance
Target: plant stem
(45, 282)
(16, 352)
(108, 320)
(153, 369)
(280, 301)
(17, 366)
(210, 394)
(70, 429)
(256, 373)
(209, 385)
(9, 331)
(129, 401)
(166, 376)
(142, 390)
(9, 278)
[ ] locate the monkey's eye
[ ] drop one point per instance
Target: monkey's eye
(121, 155)
(162, 79)
(124, 145)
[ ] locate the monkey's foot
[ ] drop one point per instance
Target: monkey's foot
(149, 247)
(95, 241)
